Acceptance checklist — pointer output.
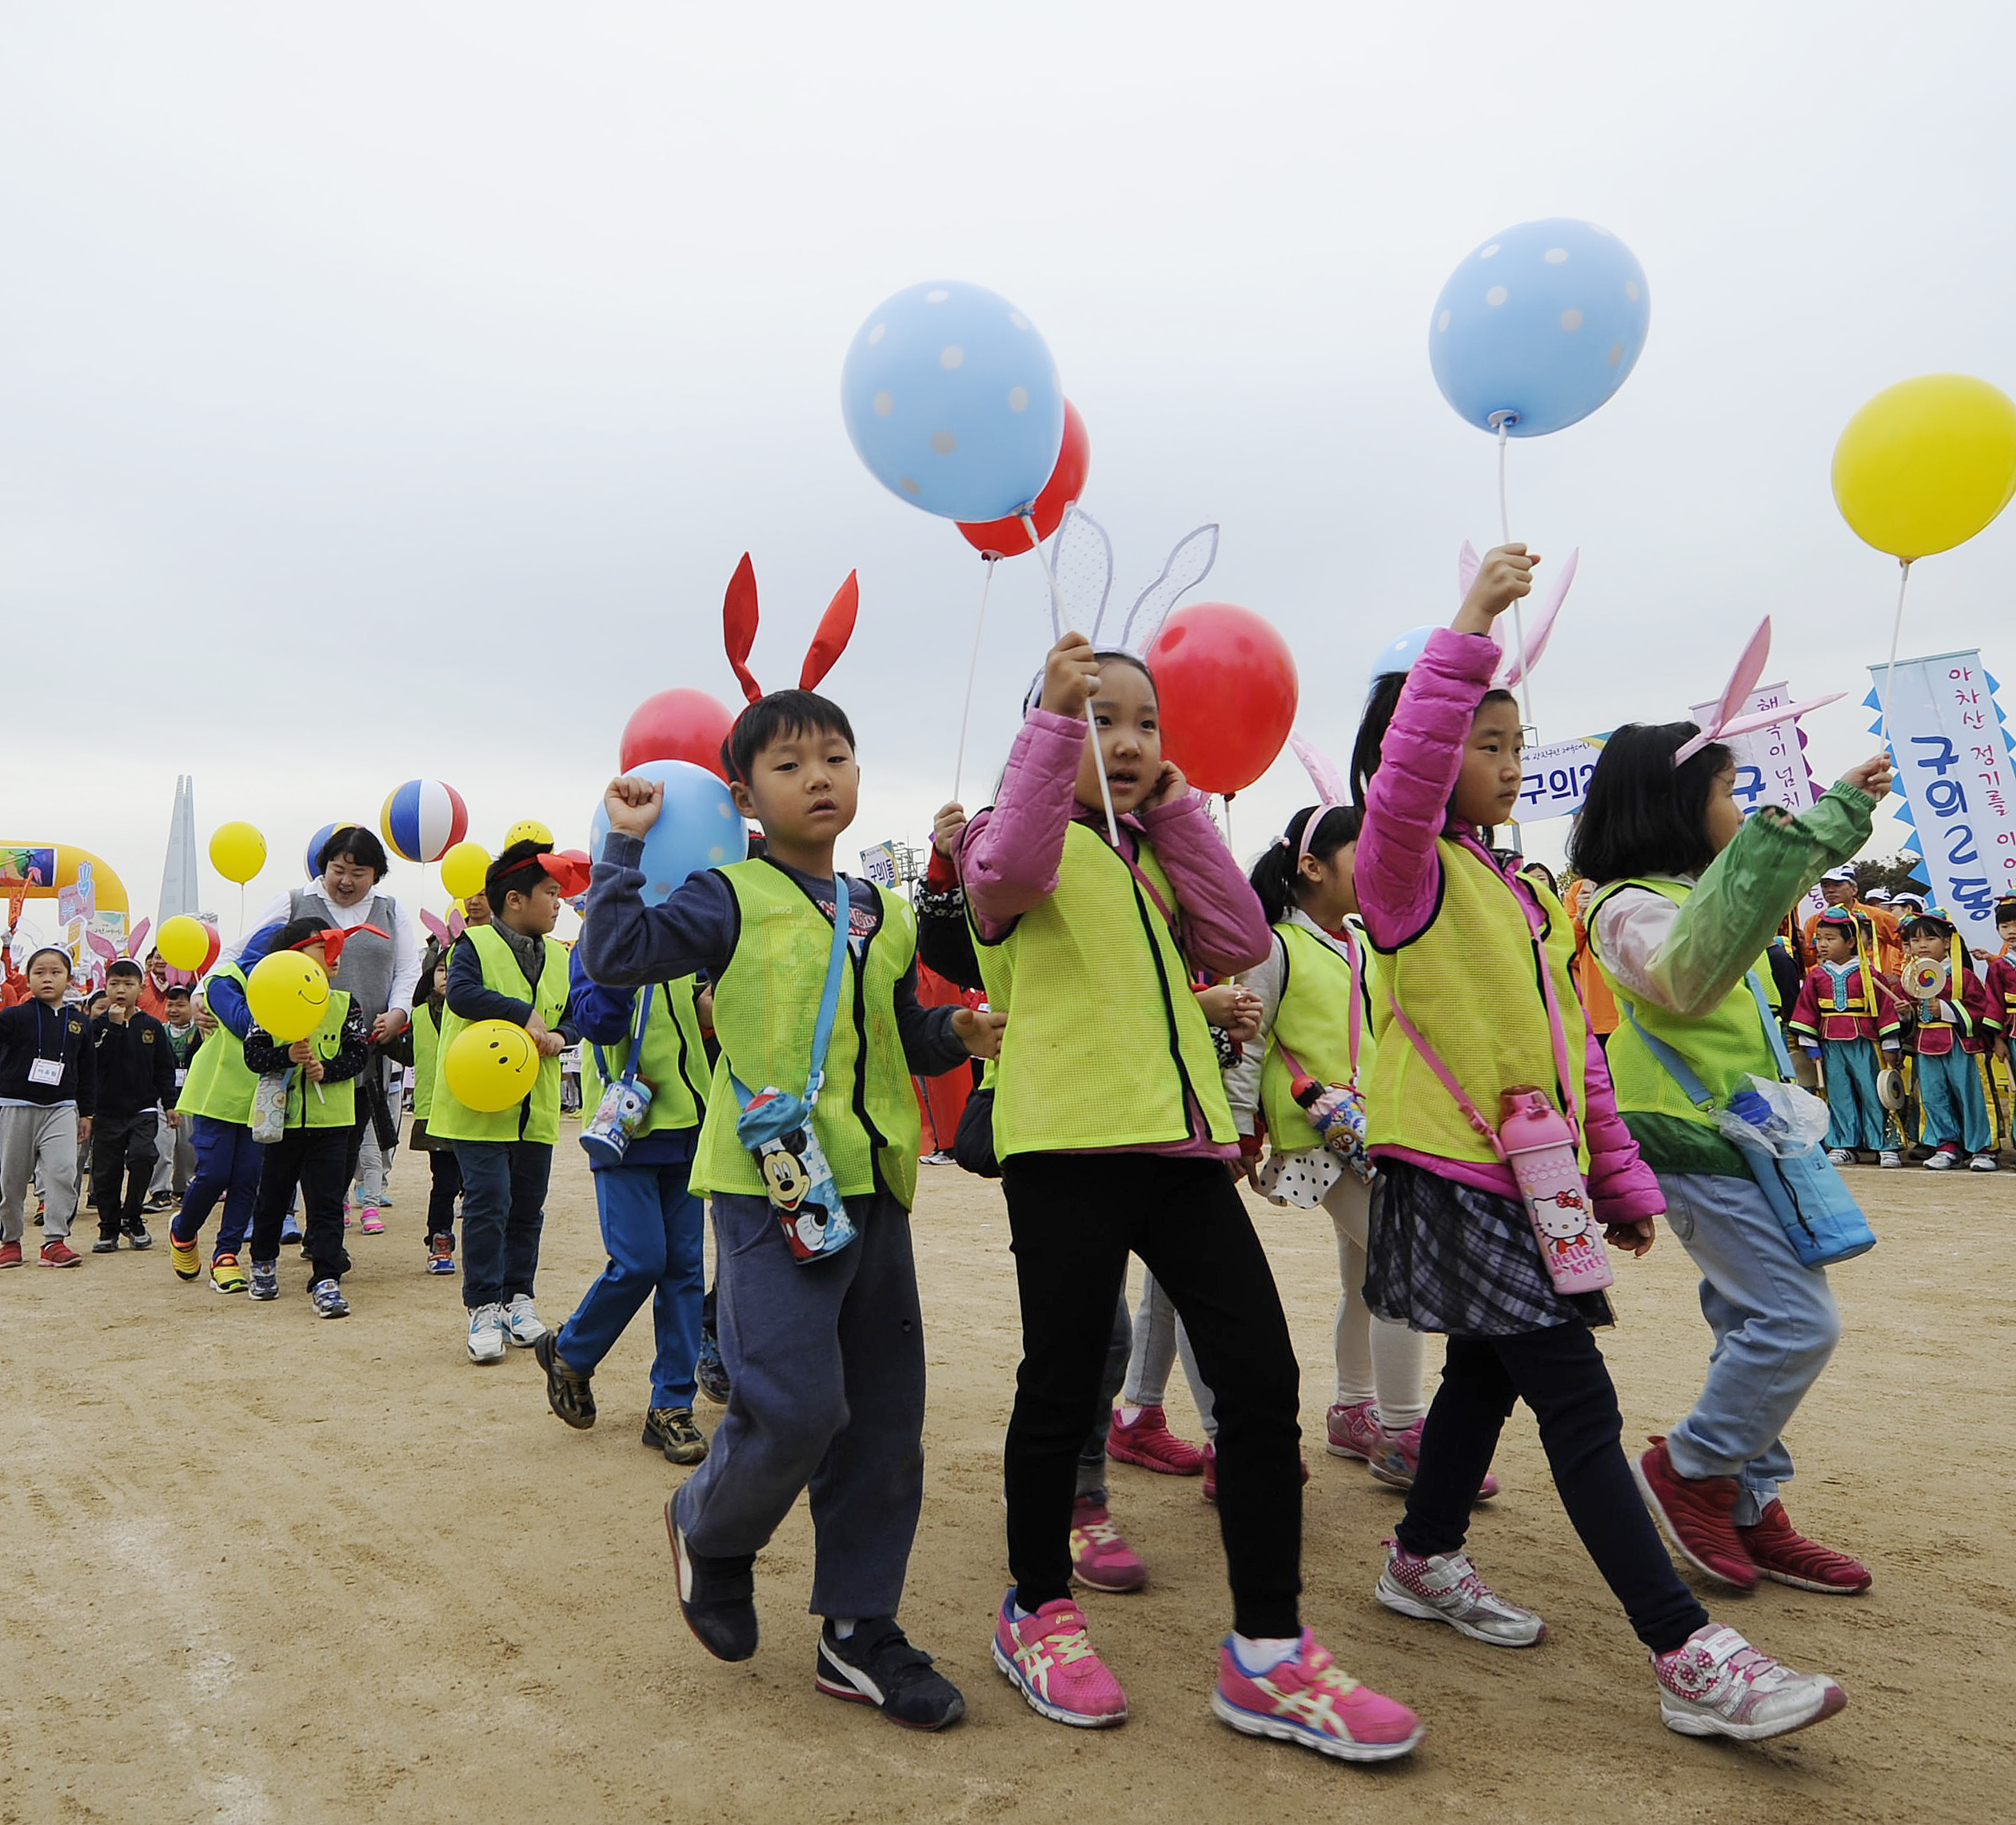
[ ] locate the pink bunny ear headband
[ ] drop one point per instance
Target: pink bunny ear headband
(1330, 789)
(1728, 717)
(1514, 669)
(738, 627)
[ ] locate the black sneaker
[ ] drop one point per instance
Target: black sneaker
(672, 1430)
(138, 1237)
(877, 1665)
(717, 1596)
(567, 1392)
(105, 1245)
(710, 1371)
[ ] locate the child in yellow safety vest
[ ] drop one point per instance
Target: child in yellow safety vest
(313, 1151)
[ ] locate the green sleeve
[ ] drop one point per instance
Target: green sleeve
(1746, 891)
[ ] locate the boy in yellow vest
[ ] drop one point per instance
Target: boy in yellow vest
(507, 970)
(825, 1354)
(313, 1151)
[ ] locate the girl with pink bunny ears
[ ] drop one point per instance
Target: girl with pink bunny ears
(1686, 896)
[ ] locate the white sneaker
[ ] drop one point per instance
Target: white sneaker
(1840, 1156)
(521, 1323)
(486, 1334)
(1889, 1156)
(1941, 1161)
(1982, 1163)
(1714, 1683)
(1449, 1589)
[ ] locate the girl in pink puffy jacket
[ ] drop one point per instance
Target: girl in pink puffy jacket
(1477, 961)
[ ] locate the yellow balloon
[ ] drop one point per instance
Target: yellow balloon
(183, 942)
(238, 851)
(527, 830)
(491, 1065)
(1926, 464)
(462, 869)
(288, 994)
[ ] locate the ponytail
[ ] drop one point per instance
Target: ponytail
(1276, 875)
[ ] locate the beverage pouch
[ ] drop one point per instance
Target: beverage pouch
(776, 1128)
(268, 1119)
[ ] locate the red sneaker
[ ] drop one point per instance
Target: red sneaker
(1150, 1443)
(59, 1254)
(1100, 1559)
(9, 1254)
(1693, 1513)
(1211, 1472)
(1786, 1556)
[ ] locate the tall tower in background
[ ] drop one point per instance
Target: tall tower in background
(178, 885)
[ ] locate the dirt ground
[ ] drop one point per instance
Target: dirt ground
(266, 1568)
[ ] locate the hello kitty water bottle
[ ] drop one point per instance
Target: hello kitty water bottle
(1540, 1148)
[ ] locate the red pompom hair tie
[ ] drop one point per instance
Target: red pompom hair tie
(739, 616)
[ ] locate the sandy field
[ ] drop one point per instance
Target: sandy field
(268, 1567)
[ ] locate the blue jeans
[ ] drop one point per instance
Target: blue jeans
(1956, 1113)
(1775, 1324)
(503, 1207)
(651, 1228)
(228, 1161)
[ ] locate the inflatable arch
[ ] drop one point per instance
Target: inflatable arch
(49, 867)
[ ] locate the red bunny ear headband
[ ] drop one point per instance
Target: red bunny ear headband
(738, 626)
(333, 941)
(1728, 717)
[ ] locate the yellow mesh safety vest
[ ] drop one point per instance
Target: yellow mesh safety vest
(1313, 1021)
(337, 1105)
(426, 1055)
(1467, 984)
(672, 1061)
(220, 1082)
(536, 1116)
(1105, 1043)
(765, 1006)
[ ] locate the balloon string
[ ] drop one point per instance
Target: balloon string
(1091, 727)
(972, 668)
(1505, 537)
(1896, 634)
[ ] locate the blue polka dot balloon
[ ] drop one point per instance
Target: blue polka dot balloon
(1401, 655)
(1542, 322)
(952, 401)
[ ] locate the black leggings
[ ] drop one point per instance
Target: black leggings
(1561, 1374)
(444, 1176)
(1074, 1218)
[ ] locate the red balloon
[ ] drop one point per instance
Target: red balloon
(213, 947)
(677, 726)
(1010, 538)
(1227, 684)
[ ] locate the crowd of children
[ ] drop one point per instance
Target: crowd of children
(1151, 1027)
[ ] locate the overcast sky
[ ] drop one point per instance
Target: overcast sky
(390, 389)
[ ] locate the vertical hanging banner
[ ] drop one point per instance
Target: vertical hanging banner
(1952, 756)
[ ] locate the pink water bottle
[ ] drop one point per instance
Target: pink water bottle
(1540, 1147)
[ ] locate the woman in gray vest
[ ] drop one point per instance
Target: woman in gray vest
(379, 973)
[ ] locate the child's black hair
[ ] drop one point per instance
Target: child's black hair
(1116, 655)
(1837, 919)
(776, 717)
(516, 870)
(124, 966)
(1380, 703)
(1936, 923)
(173, 989)
(357, 844)
(2006, 912)
(1275, 875)
(296, 932)
(1642, 815)
(62, 956)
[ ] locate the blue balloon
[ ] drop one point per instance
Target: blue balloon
(698, 828)
(1544, 322)
(1401, 655)
(953, 402)
(315, 848)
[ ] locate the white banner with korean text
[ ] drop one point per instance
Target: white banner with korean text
(1953, 767)
(1556, 779)
(1771, 765)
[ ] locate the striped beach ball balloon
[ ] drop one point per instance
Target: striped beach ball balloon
(423, 819)
(322, 836)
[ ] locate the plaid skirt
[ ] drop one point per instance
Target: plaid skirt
(1441, 1255)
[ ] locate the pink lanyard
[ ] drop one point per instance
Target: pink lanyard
(1349, 947)
(1535, 919)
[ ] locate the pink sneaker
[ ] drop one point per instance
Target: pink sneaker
(1351, 1430)
(1048, 1658)
(1150, 1443)
(1101, 1559)
(1307, 1699)
(371, 1223)
(1714, 1683)
(1397, 1456)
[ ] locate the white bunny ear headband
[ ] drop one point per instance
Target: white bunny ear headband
(1729, 718)
(1515, 668)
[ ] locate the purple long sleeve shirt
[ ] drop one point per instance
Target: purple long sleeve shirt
(1009, 856)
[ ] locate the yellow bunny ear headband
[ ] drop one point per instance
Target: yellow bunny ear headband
(1728, 719)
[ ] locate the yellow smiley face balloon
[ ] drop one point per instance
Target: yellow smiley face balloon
(288, 994)
(527, 830)
(491, 1065)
